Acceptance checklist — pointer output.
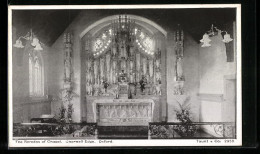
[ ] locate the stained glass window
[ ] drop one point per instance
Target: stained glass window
(98, 44)
(103, 40)
(147, 42)
(36, 79)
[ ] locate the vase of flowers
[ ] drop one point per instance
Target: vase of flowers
(183, 115)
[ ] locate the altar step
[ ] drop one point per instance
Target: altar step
(123, 132)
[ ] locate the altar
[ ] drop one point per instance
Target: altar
(123, 112)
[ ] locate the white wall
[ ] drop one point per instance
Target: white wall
(214, 69)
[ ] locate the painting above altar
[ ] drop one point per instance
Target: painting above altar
(122, 53)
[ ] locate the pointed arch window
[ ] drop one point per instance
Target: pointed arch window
(36, 76)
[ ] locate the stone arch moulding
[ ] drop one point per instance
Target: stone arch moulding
(138, 20)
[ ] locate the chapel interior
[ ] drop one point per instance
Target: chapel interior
(125, 69)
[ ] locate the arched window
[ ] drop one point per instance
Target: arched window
(30, 74)
(36, 76)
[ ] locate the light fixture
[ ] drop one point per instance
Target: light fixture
(29, 37)
(38, 47)
(212, 32)
(18, 44)
(205, 40)
(227, 38)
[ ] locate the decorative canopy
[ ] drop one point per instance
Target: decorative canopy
(123, 28)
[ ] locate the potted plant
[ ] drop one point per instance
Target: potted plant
(183, 115)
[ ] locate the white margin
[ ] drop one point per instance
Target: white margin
(127, 143)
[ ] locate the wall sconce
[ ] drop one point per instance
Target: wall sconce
(212, 32)
(205, 40)
(29, 37)
(227, 38)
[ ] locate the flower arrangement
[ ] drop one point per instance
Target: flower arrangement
(65, 112)
(183, 114)
(69, 112)
(62, 113)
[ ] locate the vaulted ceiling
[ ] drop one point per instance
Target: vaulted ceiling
(48, 25)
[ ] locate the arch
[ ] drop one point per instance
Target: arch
(138, 20)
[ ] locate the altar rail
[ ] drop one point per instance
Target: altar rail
(160, 130)
(60, 130)
(156, 130)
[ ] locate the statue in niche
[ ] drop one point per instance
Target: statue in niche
(102, 67)
(151, 67)
(89, 71)
(144, 61)
(96, 63)
(179, 71)
(143, 82)
(108, 67)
